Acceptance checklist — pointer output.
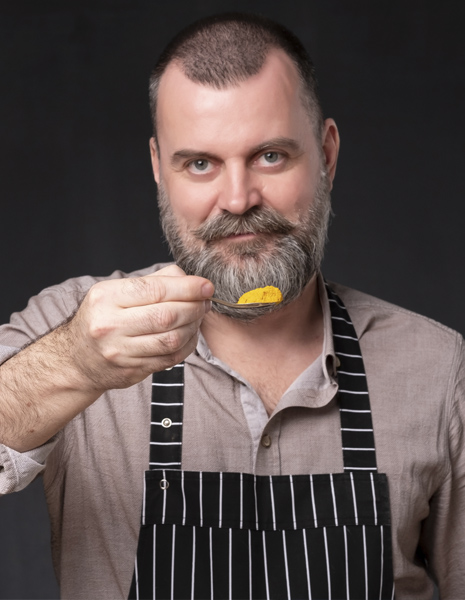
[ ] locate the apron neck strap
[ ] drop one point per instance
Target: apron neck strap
(358, 442)
(166, 418)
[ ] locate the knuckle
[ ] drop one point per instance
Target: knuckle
(163, 318)
(95, 295)
(187, 349)
(98, 330)
(93, 316)
(111, 354)
(170, 341)
(169, 360)
(157, 289)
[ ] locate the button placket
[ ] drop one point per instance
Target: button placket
(267, 457)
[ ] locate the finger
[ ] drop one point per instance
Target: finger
(153, 290)
(142, 291)
(131, 352)
(130, 370)
(169, 343)
(169, 360)
(159, 318)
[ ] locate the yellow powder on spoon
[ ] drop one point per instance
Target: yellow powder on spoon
(264, 294)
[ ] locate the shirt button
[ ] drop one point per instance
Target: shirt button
(166, 422)
(266, 440)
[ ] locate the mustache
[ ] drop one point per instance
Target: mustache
(255, 220)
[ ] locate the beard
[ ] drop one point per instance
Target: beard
(284, 254)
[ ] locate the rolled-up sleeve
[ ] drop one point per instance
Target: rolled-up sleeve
(18, 469)
(43, 313)
(7, 352)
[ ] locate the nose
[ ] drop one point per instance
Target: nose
(239, 190)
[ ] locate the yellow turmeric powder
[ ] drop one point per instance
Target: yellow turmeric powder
(264, 294)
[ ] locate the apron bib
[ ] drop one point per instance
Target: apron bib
(238, 535)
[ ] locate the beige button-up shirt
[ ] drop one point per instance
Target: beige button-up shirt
(93, 470)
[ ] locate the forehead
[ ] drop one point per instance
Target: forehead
(264, 106)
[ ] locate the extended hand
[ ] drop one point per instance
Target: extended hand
(126, 329)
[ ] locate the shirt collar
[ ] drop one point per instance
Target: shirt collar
(330, 362)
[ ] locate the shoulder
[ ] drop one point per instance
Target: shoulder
(402, 348)
(372, 315)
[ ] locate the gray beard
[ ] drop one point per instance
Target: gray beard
(285, 254)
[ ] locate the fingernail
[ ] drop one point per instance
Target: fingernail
(208, 306)
(207, 290)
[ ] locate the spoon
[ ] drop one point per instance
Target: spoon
(246, 305)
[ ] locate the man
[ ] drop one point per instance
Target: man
(280, 463)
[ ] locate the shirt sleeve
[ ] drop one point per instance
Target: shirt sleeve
(19, 469)
(43, 313)
(444, 530)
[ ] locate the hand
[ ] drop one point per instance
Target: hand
(126, 329)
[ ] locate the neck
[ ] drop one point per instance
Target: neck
(295, 328)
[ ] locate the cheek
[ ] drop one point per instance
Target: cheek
(291, 196)
(189, 203)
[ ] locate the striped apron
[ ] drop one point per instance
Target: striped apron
(239, 535)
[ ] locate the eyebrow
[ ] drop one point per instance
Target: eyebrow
(189, 153)
(281, 142)
(278, 142)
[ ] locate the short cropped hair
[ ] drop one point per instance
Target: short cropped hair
(226, 49)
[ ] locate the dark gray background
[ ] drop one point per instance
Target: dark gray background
(77, 194)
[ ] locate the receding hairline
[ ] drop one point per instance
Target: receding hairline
(177, 64)
(224, 50)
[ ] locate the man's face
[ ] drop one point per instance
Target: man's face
(241, 176)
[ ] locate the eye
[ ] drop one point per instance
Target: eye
(200, 165)
(271, 157)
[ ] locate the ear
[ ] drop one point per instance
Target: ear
(330, 144)
(155, 159)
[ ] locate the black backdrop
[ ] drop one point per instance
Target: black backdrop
(76, 188)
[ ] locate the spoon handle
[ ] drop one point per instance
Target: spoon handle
(235, 305)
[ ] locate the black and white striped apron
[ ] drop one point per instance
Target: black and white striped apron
(238, 535)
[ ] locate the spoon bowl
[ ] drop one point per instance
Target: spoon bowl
(245, 305)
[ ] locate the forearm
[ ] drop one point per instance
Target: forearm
(41, 390)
